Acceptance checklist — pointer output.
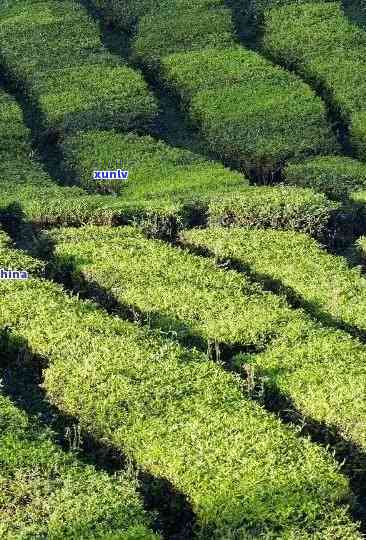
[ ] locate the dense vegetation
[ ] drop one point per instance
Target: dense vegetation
(201, 324)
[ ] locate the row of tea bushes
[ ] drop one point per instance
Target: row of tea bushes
(201, 190)
(336, 176)
(320, 42)
(181, 417)
(320, 370)
(295, 265)
(155, 168)
(169, 288)
(47, 492)
(169, 188)
(28, 192)
(192, 49)
(251, 112)
(52, 51)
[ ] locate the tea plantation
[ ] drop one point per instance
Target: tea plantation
(182, 346)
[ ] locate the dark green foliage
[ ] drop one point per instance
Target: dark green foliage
(182, 418)
(322, 44)
(156, 170)
(256, 128)
(195, 189)
(274, 207)
(182, 29)
(90, 97)
(336, 176)
(252, 113)
(53, 51)
(14, 136)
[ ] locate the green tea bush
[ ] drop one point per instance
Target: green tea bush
(257, 128)
(250, 112)
(336, 176)
(155, 169)
(180, 417)
(91, 97)
(45, 35)
(89, 88)
(280, 207)
(14, 135)
(195, 189)
(182, 29)
(294, 264)
(48, 493)
(320, 370)
(320, 42)
(172, 289)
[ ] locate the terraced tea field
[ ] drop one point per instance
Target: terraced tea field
(182, 270)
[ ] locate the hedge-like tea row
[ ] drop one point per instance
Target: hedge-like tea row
(182, 418)
(336, 176)
(47, 493)
(170, 288)
(320, 42)
(322, 371)
(279, 207)
(52, 50)
(295, 264)
(27, 191)
(155, 168)
(14, 135)
(250, 112)
(191, 184)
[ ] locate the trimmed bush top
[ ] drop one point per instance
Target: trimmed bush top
(323, 45)
(336, 176)
(180, 417)
(54, 52)
(48, 493)
(296, 265)
(251, 112)
(171, 289)
(322, 371)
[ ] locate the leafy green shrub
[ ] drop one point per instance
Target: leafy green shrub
(14, 135)
(336, 176)
(321, 371)
(155, 169)
(279, 207)
(182, 29)
(44, 35)
(254, 128)
(91, 97)
(196, 189)
(172, 289)
(320, 43)
(89, 88)
(296, 265)
(250, 112)
(48, 493)
(180, 417)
